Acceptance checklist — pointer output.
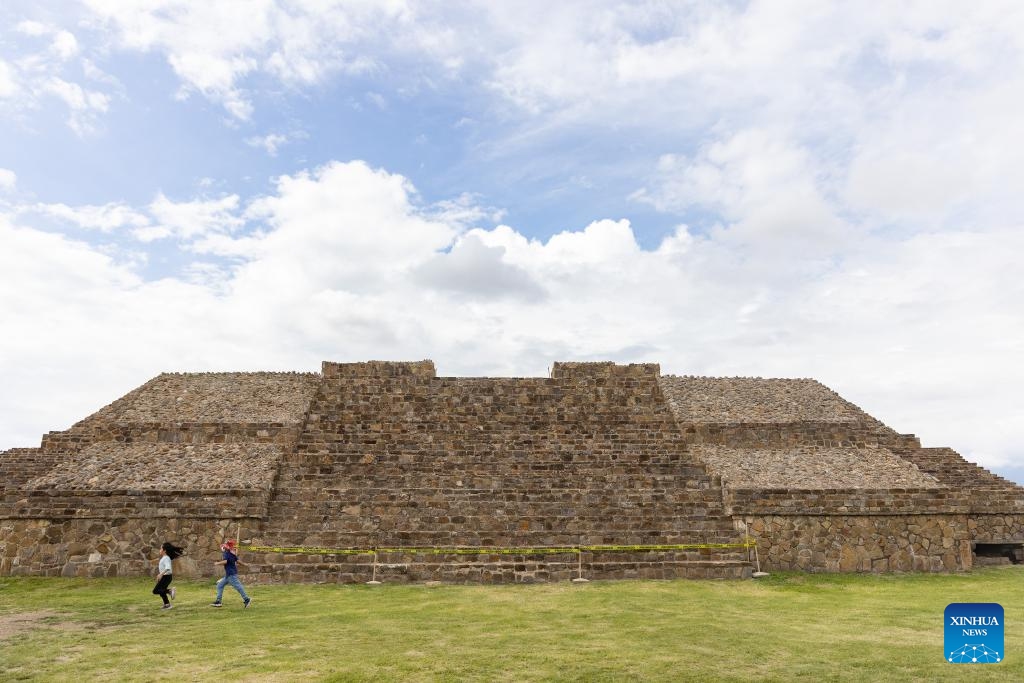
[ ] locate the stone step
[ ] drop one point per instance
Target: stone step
(475, 527)
(338, 496)
(526, 471)
(20, 465)
(673, 502)
(278, 568)
(459, 521)
(370, 538)
(370, 461)
(335, 488)
(678, 499)
(487, 477)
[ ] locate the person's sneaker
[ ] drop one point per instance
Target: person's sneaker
(173, 593)
(248, 601)
(214, 604)
(167, 606)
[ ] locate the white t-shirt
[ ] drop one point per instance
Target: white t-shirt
(165, 565)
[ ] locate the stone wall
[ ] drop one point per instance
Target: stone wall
(113, 546)
(379, 369)
(796, 434)
(134, 504)
(505, 567)
(385, 454)
(996, 527)
(862, 501)
(861, 543)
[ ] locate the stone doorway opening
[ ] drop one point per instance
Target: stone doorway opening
(987, 554)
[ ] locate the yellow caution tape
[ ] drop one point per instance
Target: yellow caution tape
(306, 550)
(542, 550)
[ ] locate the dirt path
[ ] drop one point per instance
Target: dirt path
(21, 621)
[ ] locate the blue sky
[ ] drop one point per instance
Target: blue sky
(791, 189)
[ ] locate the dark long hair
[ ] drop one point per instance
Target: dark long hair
(173, 551)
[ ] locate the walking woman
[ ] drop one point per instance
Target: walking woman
(168, 552)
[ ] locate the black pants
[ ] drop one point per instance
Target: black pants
(161, 587)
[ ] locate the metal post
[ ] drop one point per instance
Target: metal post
(373, 581)
(579, 565)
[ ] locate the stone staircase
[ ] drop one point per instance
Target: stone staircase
(981, 490)
(484, 475)
(19, 465)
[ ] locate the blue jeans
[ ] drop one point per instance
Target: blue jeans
(235, 583)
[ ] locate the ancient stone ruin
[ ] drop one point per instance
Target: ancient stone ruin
(384, 471)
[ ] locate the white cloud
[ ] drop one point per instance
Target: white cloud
(151, 233)
(85, 105)
(784, 121)
(955, 149)
(600, 243)
(32, 28)
(477, 271)
(8, 179)
(214, 76)
(770, 193)
(65, 45)
(465, 211)
(38, 72)
(906, 182)
(192, 219)
(353, 226)
(77, 98)
(190, 222)
(8, 84)
(268, 142)
(272, 142)
(105, 218)
(213, 50)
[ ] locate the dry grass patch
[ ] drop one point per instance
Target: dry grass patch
(11, 624)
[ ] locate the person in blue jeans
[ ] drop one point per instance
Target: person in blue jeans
(230, 563)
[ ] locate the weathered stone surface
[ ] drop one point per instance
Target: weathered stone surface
(757, 400)
(269, 397)
(813, 467)
(107, 466)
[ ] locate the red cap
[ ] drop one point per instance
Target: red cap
(230, 543)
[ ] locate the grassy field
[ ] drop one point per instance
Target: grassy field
(783, 628)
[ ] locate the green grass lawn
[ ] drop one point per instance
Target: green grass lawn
(785, 627)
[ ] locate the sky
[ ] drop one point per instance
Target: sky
(761, 189)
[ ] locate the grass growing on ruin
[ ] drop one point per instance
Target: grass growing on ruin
(786, 627)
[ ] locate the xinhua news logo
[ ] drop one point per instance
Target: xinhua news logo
(974, 633)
